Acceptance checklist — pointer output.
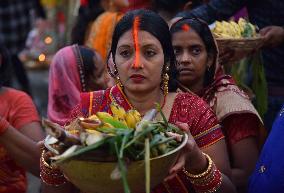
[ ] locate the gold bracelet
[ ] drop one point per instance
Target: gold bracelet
(201, 175)
(203, 181)
(43, 160)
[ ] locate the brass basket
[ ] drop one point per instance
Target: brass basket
(94, 177)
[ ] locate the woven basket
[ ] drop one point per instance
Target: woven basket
(94, 177)
(241, 47)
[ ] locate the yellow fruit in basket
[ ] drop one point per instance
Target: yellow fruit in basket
(117, 111)
(236, 29)
(130, 120)
(91, 131)
(132, 117)
(228, 30)
(93, 117)
(242, 23)
(137, 115)
(121, 120)
(106, 125)
(218, 27)
(225, 26)
(102, 115)
(114, 121)
(232, 29)
(225, 35)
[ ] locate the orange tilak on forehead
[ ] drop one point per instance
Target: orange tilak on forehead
(185, 27)
(136, 42)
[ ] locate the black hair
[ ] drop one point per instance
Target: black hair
(88, 59)
(155, 25)
(89, 66)
(202, 29)
(5, 67)
(86, 16)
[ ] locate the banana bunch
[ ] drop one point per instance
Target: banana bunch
(130, 118)
(232, 29)
(103, 124)
(120, 119)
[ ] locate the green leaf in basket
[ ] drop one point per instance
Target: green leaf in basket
(163, 140)
(147, 165)
(144, 132)
(113, 130)
(122, 170)
(126, 136)
(159, 109)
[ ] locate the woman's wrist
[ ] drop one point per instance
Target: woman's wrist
(50, 175)
(210, 180)
(196, 162)
(4, 125)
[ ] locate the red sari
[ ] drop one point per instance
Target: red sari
(187, 108)
(233, 106)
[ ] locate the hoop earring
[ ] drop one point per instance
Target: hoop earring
(166, 79)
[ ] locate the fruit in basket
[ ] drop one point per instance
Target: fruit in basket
(132, 117)
(104, 143)
(242, 29)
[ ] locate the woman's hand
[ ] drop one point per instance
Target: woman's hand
(190, 157)
(273, 35)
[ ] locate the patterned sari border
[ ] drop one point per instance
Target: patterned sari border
(196, 137)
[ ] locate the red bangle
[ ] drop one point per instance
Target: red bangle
(208, 181)
(49, 175)
(4, 124)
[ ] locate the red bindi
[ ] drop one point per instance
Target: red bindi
(185, 27)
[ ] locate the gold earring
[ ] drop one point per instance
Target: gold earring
(166, 79)
(118, 81)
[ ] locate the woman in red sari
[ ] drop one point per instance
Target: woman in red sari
(145, 70)
(197, 55)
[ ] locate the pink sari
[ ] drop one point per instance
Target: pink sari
(187, 108)
(65, 84)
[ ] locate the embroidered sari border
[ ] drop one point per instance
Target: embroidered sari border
(196, 137)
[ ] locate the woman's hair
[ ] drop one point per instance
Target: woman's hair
(202, 29)
(155, 25)
(88, 56)
(86, 15)
(89, 66)
(5, 67)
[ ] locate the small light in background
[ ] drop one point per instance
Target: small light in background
(41, 57)
(48, 40)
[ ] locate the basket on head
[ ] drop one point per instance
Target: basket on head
(242, 47)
